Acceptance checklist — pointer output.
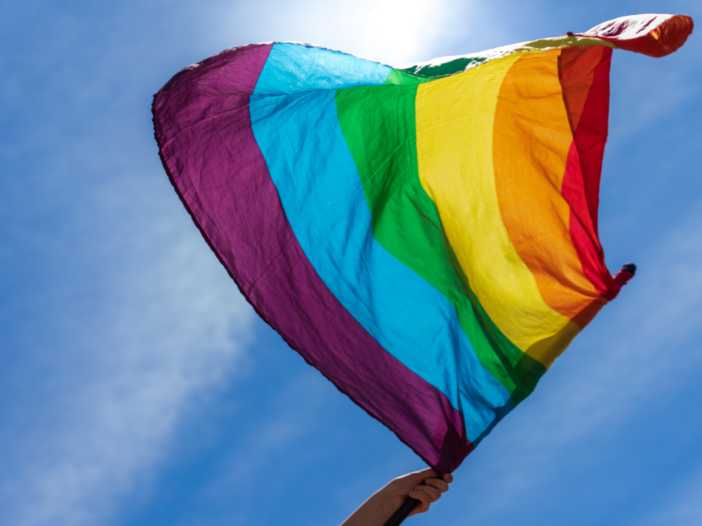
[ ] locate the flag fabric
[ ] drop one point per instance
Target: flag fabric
(424, 236)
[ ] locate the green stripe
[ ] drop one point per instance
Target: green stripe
(379, 127)
(399, 77)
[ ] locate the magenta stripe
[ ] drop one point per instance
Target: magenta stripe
(203, 128)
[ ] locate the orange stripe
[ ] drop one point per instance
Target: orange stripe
(532, 137)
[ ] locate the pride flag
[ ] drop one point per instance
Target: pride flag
(424, 236)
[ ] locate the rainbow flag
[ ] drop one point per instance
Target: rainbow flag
(424, 236)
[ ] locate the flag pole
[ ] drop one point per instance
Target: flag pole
(402, 512)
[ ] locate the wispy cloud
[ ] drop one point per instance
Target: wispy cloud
(169, 325)
(144, 321)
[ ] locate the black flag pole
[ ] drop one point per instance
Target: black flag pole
(402, 512)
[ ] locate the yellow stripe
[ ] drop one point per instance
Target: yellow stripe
(455, 118)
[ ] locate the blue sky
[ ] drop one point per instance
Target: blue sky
(138, 388)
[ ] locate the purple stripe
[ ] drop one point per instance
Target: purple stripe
(203, 128)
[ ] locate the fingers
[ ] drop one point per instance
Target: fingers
(439, 484)
(429, 492)
(426, 495)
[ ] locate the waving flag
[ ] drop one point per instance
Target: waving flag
(424, 236)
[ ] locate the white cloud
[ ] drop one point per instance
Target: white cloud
(170, 325)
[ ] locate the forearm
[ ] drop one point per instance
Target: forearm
(373, 512)
(419, 485)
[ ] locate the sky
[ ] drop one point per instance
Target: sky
(137, 387)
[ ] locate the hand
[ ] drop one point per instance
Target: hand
(421, 485)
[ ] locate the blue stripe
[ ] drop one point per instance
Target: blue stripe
(321, 192)
(295, 68)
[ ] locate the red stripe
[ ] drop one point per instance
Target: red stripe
(659, 42)
(581, 67)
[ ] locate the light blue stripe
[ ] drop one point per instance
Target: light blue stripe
(321, 192)
(294, 68)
